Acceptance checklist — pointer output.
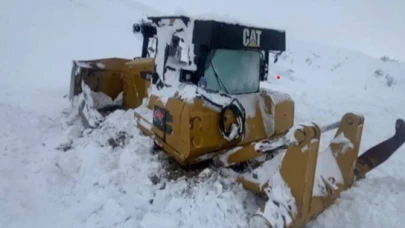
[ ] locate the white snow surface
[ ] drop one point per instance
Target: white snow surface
(95, 185)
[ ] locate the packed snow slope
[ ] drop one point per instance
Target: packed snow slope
(54, 174)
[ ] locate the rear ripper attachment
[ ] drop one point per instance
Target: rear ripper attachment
(300, 183)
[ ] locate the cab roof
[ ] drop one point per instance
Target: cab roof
(217, 34)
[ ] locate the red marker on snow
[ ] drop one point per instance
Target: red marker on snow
(278, 77)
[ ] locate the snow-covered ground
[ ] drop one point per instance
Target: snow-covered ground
(97, 183)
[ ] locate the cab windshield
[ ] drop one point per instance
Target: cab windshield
(233, 71)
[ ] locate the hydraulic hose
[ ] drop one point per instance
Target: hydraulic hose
(237, 110)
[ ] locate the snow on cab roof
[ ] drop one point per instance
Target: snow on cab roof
(211, 17)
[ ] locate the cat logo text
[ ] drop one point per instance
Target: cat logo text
(251, 37)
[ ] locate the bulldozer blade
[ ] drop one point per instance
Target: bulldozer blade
(102, 76)
(381, 152)
(96, 88)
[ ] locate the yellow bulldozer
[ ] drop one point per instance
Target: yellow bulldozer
(196, 91)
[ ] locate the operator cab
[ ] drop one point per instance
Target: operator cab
(217, 56)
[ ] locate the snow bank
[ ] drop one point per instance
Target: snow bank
(118, 167)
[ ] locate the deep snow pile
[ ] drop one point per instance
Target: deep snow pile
(54, 174)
